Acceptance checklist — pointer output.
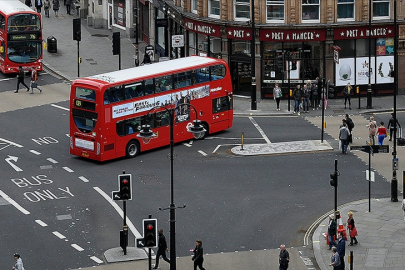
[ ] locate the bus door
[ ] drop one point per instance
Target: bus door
(221, 110)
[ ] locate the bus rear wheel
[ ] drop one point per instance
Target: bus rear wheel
(132, 149)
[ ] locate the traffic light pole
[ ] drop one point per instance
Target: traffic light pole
(78, 59)
(336, 188)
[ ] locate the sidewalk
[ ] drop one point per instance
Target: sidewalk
(381, 232)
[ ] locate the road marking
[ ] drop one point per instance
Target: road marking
(259, 129)
(97, 260)
(68, 169)
(59, 235)
(52, 160)
(8, 143)
(35, 152)
(120, 212)
(84, 179)
(60, 107)
(219, 145)
(77, 247)
(186, 144)
(40, 222)
(202, 153)
(14, 203)
(15, 167)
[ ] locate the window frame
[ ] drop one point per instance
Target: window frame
(309, 5)
(346, 3)
(194, 6)
(375, 2)
(239, 3)
(212, 15)
(275, 3)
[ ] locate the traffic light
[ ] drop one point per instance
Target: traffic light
(294, 65)
(150, 232)
(116, 43)
(334, 181)
(125, 186)
(77, 33)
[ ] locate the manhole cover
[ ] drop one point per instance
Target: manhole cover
(338, 111)
(99, 35)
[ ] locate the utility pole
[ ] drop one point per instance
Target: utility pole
(334, 183)
(253, 56)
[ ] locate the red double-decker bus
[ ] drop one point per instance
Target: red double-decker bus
(108, 110)
(20, 37)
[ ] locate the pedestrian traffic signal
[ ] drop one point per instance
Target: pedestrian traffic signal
(294, 65)
(125, 186)
(77, 33)
(150, 232)
(334, 181)
(116, 43)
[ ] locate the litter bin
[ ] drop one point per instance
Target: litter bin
(52, 44)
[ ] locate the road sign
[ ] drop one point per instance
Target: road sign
(116, 195)
(372, 176)
(376, 148)
(140, 242)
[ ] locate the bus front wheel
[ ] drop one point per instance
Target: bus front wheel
(132, 149)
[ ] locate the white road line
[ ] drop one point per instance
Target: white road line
(97, 260)
(14, 203)
(67, 135)
(120, 212)
(186, 144)
(59, 235)
(219, 145)
(11, 143)
(35, 152)
(52, 160)
(202, 152)
(259, 129)
(77, 247)
(216, 148)
(68, 169)
(60, 107)
(84, 179)
(40, 222)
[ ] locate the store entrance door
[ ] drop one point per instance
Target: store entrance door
(241, 74)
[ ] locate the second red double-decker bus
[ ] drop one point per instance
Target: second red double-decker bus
(108, 110)
(20, 37)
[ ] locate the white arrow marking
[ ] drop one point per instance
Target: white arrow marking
(15, 167)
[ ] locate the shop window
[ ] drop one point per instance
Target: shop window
(242, 10)
(275, 11)
(310, 11)
(214, 8)
(345, 10)
(381, 9)
(119, 12)
(191, 43)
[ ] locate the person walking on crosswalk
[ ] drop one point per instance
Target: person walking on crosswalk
(20, 79)
(34, 81)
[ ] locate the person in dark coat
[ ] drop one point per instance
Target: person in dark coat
(55, 4)
(284, 258)
(38, 5)
(28, 3)
(331, 231)
(347, 92)
(68, 3)
(20, 79)
(198, 257)
(341, 250)
(392, 126)
(162, 248)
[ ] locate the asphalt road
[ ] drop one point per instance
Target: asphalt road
(232, 203)
(9, 82)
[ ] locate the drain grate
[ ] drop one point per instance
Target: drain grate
(338, 111)
(99, 35)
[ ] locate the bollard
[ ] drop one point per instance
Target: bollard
(324, 124)
(242, 141)
(351, 260)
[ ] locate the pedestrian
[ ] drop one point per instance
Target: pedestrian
(347, 92)
(335, 259)
(20, 79)
(331, 232)
(350, 126)
(341, 250)
(18, 262)
(277, 94)
(55, 4)
(38, 5)
(320, 90)
(47, 6)
(198, 258)
(68, 3)
(315, 99)
(372, 129)
(344, 137)
(284, 258)
(28, 3)
(34, 81)
(297, 94)
(382, 133)
(162, 248)
(352, 229)
(306, 92)
(392, 125)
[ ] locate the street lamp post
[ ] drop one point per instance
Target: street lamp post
(369, 90)
(394, 181)
(146, 134)
(253, 105)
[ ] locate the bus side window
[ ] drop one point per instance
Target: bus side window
(217, 72)
(203, 75)
(149, 87)
(221, 104)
